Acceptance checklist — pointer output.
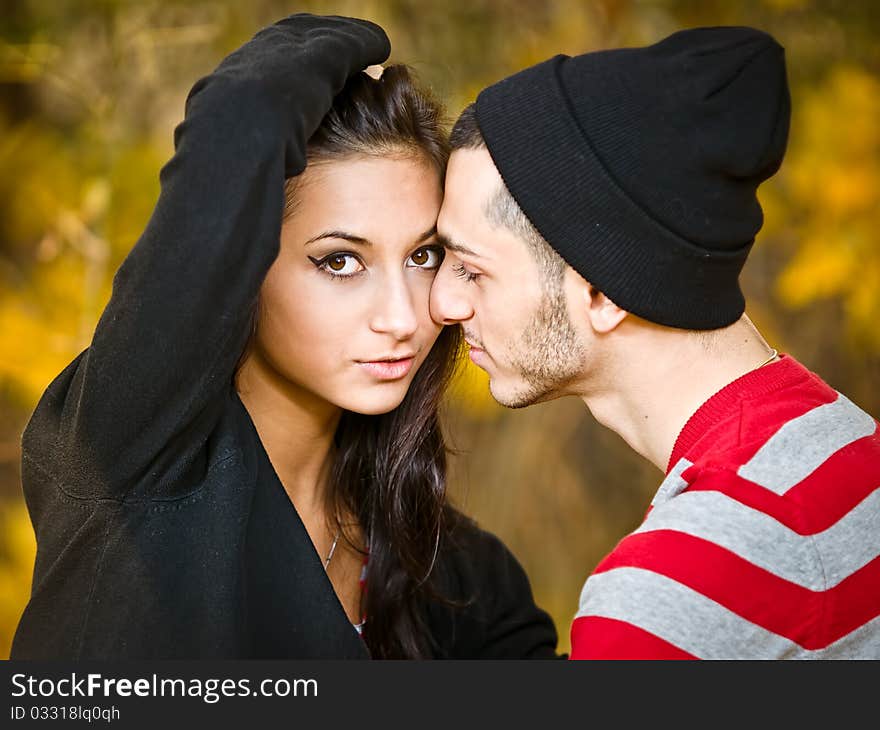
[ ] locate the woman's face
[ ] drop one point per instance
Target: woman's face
(344, 308)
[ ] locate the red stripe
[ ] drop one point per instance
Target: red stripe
(763, 419)
(596, 637)
(840, 483)
(831, 491)
(751, 495)
(855, 600)
(812, 619)
(757, 404)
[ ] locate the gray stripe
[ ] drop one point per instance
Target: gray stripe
(701, 626)
(817, 562)
(673, 484)
(679, 615)
(863, 643)
(805, 443)
(852, 542)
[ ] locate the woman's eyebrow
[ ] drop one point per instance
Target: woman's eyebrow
(340, 234)
(432, 231)
(363, 241)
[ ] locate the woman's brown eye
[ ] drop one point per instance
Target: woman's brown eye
(338, 264)
(427, 258)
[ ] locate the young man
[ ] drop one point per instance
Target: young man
(598, 212)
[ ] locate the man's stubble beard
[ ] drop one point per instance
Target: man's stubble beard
(548, 356)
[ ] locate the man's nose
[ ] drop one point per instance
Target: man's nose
(449, 303)
(394, 312)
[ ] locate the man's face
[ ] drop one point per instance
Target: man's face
(514, 315)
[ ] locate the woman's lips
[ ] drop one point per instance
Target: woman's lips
(388, 369)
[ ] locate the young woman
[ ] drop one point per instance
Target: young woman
(247, 460)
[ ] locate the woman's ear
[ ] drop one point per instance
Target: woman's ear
(603, 314)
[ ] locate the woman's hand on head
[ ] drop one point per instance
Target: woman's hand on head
(293, 69)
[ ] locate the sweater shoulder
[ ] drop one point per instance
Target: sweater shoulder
(491, 612)
(193, 455)
(775, 436)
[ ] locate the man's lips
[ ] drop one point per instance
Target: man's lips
(477, 354)
(472, 343)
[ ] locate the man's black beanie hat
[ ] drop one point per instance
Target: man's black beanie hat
(640, 165)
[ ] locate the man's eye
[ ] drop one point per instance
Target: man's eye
(428, 257)
(463, 273)
(339, 264)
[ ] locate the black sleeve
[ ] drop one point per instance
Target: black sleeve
(497, 617)
(168, 341)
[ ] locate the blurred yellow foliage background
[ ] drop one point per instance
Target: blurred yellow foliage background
(90, 93)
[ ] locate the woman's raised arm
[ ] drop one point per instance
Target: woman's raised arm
(167, 343)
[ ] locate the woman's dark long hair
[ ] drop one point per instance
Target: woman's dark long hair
(390, 470)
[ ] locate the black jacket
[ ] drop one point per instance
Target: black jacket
(162, 528)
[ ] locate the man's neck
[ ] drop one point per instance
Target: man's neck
(662, 377)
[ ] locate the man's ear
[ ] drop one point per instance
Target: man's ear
(603, 314)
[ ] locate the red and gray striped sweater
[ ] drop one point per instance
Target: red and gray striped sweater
(763, 541)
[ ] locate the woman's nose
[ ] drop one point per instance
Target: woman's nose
(448, 303)
(395, 312)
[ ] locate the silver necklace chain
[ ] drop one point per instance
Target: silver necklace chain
(332, 550)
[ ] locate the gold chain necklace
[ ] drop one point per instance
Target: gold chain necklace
(772, 355)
